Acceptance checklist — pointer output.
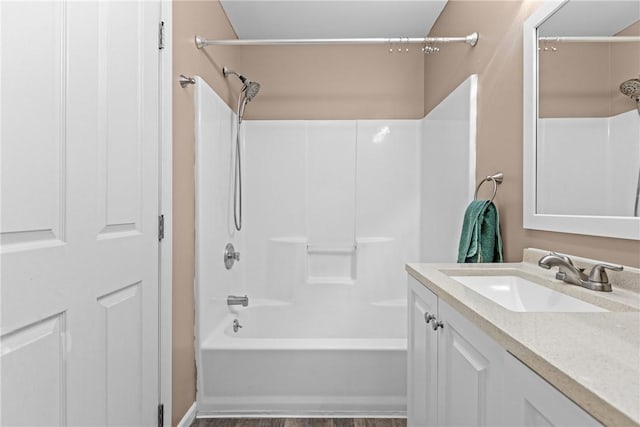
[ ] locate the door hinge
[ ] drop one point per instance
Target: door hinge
(161, 415)
(160, 227)
(161, 35)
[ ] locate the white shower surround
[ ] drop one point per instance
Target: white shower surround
(331, 215)
(588, 165)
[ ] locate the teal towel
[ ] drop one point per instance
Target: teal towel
(480, 239)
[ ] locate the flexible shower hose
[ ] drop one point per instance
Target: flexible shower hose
(237, 174)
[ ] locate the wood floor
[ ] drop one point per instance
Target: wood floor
(300, 422)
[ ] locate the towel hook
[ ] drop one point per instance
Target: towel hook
(496, 178)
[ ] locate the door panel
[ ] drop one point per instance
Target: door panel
(469, 373)
(33, 212)
(121, 108)
(121, 338)
(79, 93)
(41, 347)
(532, 402)
(422, 358)
(466, 377)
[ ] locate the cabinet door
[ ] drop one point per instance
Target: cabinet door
(422, 357)
(469, 373)
(531, 401)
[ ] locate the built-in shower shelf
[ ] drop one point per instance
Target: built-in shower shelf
(330, 281)
(321, 249)
(376, 239)
(289, 239)
(331, 264)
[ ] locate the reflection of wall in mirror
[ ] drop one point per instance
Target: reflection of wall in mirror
(583, 79)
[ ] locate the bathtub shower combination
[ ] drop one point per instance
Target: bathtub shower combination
(289, 359)
(332, 210)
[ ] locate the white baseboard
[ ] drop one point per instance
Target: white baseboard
(188, 418)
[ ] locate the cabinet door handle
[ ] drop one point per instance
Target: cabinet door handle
(436, 325)
(429, 317)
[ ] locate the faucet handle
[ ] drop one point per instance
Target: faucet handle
(570, 262)
(564, 257)
(599, 275)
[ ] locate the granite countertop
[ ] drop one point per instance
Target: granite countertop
(593, 358)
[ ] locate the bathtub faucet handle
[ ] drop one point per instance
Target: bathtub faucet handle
(230, 256)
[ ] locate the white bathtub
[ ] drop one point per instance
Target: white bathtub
(306, 360)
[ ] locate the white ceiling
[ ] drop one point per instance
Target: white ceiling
(591, 18)
(266, 19)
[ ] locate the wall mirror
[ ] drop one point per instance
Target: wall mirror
(582, 118)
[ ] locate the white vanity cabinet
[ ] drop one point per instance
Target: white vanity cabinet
(454, 369)
(459, 376)
(531, 401)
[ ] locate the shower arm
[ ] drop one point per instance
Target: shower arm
(471, 40)
(226, 72)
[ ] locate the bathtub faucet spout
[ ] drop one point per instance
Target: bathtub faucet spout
(234, 300)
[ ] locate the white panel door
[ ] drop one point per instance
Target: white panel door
(470, 368)
(422, 366)
(79, 136)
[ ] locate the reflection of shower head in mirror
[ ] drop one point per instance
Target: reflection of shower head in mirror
(631, 88)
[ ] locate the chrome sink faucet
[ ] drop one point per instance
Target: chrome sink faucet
(597, 280)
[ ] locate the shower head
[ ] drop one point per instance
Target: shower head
(250, 88)
(631, 88)
(247, 93)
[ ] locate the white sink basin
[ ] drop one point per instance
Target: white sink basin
(517, 294)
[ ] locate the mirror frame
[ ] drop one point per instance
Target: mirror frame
(607, 226)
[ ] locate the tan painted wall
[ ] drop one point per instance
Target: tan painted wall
(498, 61)
(582, 79)
(335, 82)
(189, 18)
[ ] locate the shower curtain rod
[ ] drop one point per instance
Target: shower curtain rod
(589, 39)
(471, 40)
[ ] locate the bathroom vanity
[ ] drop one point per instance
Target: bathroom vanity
(547, 353)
